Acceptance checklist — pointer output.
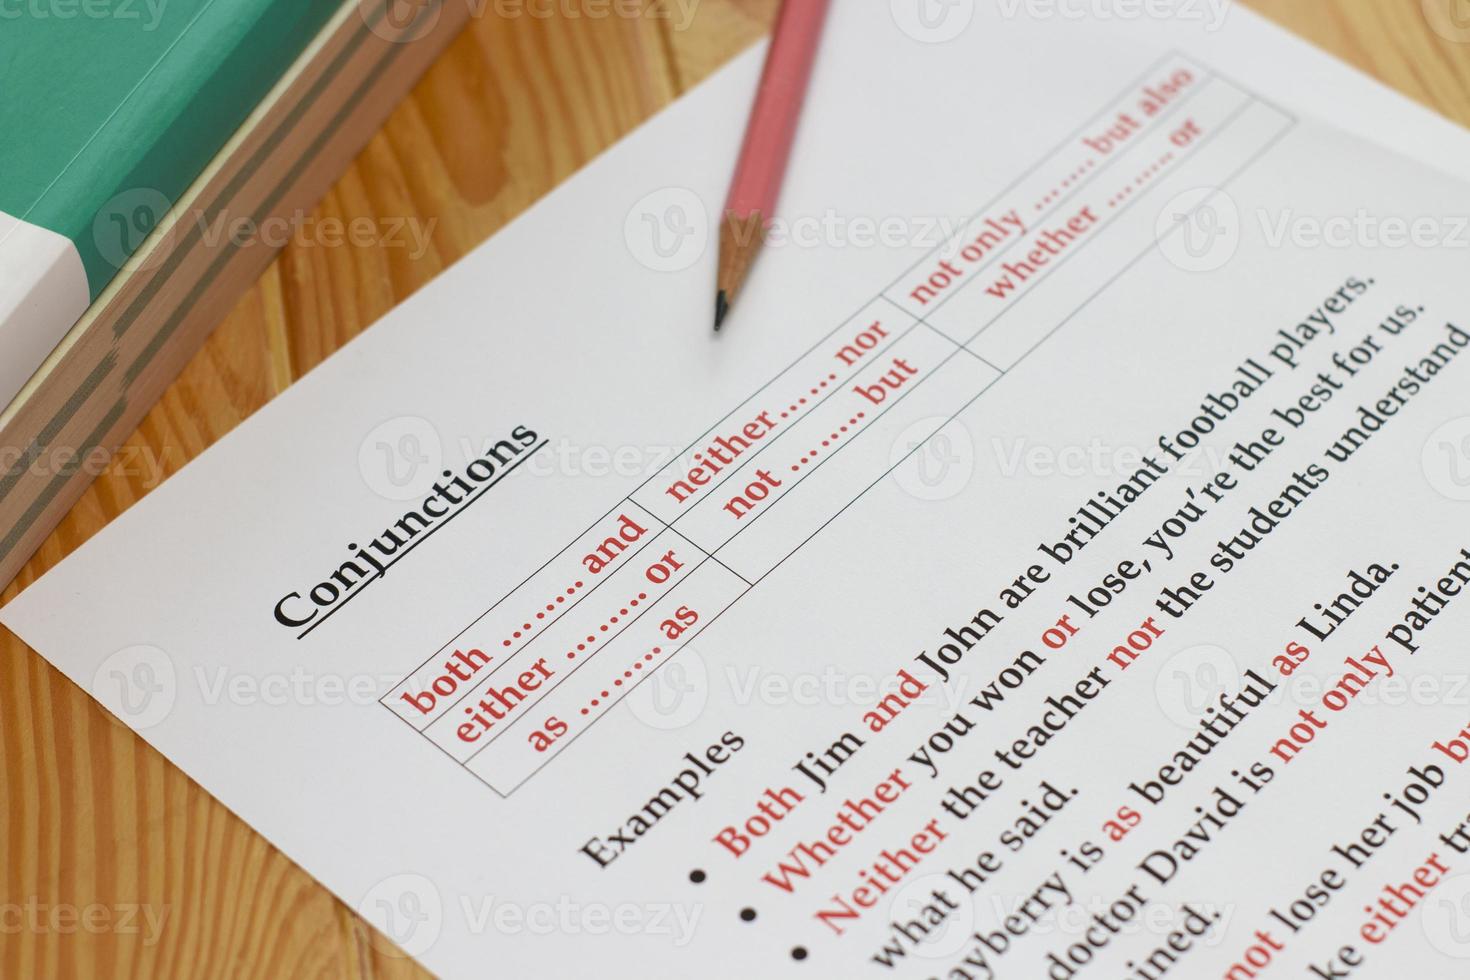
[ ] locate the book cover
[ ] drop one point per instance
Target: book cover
(111, 112)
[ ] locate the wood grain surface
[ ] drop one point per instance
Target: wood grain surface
(113, 863)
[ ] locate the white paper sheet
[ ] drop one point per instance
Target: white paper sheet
(559, 636)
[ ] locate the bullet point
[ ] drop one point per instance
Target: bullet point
(747, 915)
(798, 952)
(696, 876)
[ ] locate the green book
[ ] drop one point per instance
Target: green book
(110, 110)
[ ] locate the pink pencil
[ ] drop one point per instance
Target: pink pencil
(767, 148)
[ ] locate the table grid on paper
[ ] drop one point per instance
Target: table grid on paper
(546, 661)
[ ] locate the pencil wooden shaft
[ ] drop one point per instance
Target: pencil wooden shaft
(769, 135)
(777, 108)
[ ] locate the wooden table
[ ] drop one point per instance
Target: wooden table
(114, 863)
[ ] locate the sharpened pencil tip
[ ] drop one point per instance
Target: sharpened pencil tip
(722, 307)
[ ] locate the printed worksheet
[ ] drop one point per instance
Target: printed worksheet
(1056, 567)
